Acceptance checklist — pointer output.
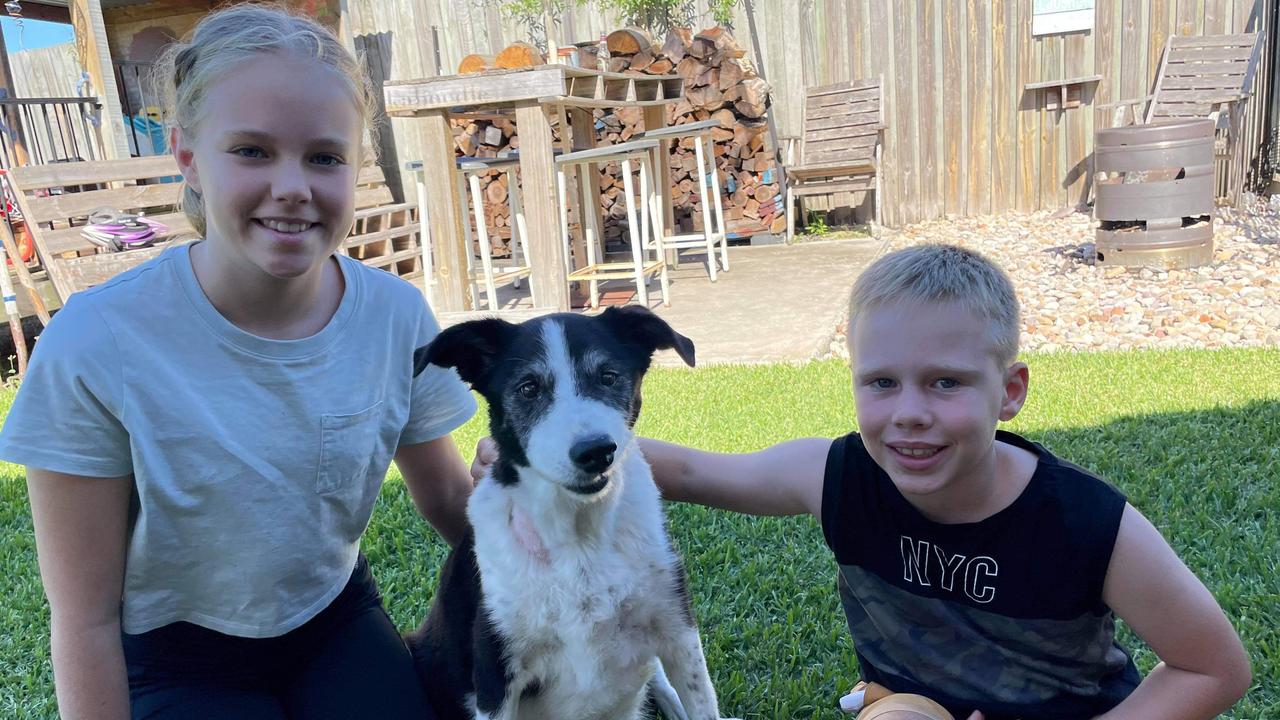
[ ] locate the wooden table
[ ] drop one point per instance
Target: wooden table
(531, 94)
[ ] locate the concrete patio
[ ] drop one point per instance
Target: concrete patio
(777, 303)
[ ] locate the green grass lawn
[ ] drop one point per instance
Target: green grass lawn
(1193, 438)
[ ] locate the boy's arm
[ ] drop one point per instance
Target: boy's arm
(1203, 668)
(785, 479)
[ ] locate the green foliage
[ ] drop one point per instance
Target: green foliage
(531, 14)
(1191, 437)
(817, 224)
(722, 10)
(657, 16)
(662, 15)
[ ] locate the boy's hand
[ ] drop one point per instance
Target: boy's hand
(486, 456)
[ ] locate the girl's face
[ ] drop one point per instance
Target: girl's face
(275, 157)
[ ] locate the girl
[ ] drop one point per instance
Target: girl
(226, 413)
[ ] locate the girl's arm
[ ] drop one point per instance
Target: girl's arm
(1203, 668)
(439, 484)
(81, 527)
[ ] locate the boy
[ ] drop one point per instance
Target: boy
(975, 568)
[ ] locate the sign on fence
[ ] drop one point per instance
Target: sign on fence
(1061, 16)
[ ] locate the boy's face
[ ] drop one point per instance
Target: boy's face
(929, 392)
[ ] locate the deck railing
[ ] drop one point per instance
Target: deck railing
(38, 131)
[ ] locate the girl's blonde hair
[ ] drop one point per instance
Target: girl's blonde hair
(186, 70)
(934, 274)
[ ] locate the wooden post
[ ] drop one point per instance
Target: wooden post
(91, 44)
(12, 249)
(773, 128)
(584, 138)
(445, 211)
(345, 33)
(11, 310)
(655, 118)
(579, 175)
(6, 71)
(553, 47)
(12, 114)
(538, 177)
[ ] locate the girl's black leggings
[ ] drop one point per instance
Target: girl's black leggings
(348, 662)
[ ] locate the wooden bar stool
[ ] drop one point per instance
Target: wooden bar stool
(491, 274)
(713, 229)
(645, 231)
(470, 169)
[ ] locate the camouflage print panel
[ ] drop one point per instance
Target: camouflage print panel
(965, 652)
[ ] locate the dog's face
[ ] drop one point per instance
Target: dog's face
(563, 390)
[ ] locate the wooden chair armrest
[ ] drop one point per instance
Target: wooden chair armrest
(1221, 116)
(1132, 104)
(1124, 103)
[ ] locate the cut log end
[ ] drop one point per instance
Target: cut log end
(628, 41)
(519, 55)
(477, 63)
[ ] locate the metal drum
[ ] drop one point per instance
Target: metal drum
(1154, 194)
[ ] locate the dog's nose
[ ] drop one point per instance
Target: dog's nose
(594, 454)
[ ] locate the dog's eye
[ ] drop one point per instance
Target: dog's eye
(528, 389)
(608, 378)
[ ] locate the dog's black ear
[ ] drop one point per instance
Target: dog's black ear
(639, 324)
(469, 347)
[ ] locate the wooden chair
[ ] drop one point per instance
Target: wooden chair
(840, 150)
(1205, 76)
(56, 199)
(517, 266)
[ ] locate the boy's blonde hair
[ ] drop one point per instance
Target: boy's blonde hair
(186, 70)
(932, 274)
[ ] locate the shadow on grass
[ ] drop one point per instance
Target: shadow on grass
(763, 588)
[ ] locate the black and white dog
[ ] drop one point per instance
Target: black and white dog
(566, 602)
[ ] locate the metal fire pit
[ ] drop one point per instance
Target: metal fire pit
(1154, 195)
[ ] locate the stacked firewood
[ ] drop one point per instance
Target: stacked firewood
(719, 83)
(485, 139)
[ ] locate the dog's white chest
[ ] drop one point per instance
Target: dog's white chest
(579, 621)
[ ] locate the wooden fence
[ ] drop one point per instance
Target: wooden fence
(51, 71)
(965, 137)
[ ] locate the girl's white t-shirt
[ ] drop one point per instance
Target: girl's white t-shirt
(256, 462)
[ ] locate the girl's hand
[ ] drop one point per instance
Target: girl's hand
(486, 456)
(975, 715)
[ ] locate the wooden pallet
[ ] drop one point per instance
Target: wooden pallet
(55, 200)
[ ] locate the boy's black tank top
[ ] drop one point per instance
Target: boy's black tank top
(1004, 615)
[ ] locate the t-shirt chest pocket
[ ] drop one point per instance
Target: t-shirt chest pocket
(348, 444)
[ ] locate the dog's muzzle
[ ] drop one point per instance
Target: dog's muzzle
(592, 456)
